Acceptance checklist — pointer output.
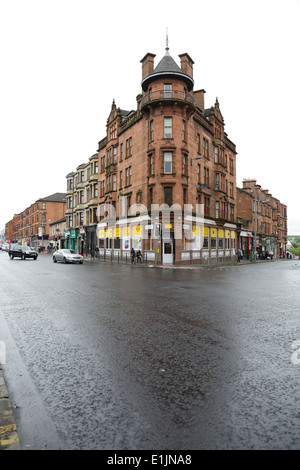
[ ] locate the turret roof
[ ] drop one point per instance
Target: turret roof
(167, 67)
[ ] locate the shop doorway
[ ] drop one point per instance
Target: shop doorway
(168, 250)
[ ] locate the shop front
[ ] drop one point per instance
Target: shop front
(90, 238)
(268, 245)
(71, 239)
(119, 240)
(82, 248)
(246, 243)
(191, 242)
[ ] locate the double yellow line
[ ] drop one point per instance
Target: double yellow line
(9, 437)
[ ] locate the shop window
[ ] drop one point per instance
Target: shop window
(117, 243)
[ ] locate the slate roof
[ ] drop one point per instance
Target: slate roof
(56, 197)
(58, 221)
(167, 67)
(167, 64)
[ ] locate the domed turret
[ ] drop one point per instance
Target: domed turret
(167, 68)
(167, 81)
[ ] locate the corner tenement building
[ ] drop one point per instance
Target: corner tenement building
(163, 181)
(170, 150)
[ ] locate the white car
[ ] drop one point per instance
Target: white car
(67, 256)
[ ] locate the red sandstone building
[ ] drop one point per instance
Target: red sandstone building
(31, 227)
(271, 220)
(168, 164)
(170, 150)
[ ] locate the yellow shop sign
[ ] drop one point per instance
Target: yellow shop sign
(126, 231)
(136, 230)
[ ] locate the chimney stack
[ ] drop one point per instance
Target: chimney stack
(147, 64)
(186, 64)
(199, 99)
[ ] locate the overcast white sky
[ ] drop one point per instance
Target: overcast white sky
(63, 62)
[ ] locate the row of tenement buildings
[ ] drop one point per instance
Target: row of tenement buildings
(170, 152)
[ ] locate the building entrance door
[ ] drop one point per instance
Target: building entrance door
(168, 251)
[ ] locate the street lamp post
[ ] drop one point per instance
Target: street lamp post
(255, 228)
(255, 224)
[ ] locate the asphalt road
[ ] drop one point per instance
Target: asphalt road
(123, 357)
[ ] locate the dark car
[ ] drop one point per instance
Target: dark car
(19, 251)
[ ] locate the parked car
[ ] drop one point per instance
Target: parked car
(67, 256)
(19, 251)
(5, 247)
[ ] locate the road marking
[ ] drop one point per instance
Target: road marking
(9, 441)
(8, 428)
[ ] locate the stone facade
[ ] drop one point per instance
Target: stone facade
(271, 218)
(170, 150)
(82, 207)
(31, 226)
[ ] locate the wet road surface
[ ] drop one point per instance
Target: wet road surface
(122, 357)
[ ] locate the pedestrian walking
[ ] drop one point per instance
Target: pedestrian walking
(139, 256)
(132, 255)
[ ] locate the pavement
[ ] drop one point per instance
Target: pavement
(9, 439)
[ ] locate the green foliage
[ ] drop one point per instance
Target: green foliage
(295, 250)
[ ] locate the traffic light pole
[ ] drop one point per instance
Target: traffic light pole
(157, 233)
(255, 230)
(156, 251)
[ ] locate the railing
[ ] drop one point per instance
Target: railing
(167, 95)
(117, 256)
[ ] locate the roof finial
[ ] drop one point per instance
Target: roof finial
(167, 43)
